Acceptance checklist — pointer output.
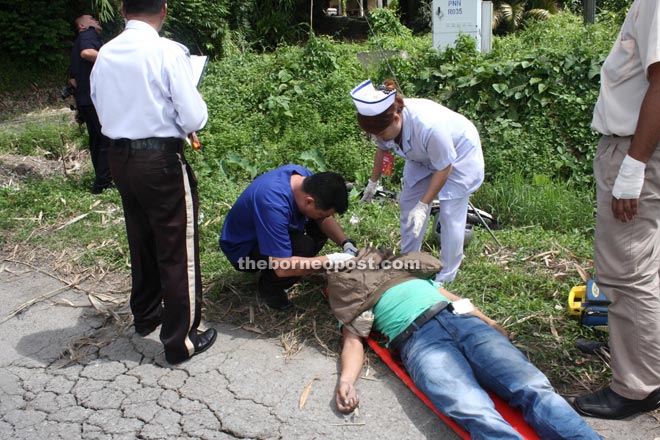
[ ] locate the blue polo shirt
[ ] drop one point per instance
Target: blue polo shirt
(263, 215)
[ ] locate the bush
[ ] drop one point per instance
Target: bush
(34, 32)
(198, 24)
(531, 97)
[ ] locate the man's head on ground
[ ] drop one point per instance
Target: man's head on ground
(152, 12)
(325, 195)
(85, 22)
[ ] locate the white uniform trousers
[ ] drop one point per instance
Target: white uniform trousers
(453, 216)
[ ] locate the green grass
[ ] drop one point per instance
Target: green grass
(552, 205)
(52, 136)
(523, 285)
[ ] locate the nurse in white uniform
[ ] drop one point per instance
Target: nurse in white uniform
(443, 159)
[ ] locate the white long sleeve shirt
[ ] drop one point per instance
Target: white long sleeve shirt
(142, 86)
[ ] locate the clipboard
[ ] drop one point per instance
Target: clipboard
(199, 63)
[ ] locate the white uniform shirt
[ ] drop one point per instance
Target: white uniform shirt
(142, 86)
(434, 137)
(623, 82)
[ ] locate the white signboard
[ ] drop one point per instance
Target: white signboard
(454, 17)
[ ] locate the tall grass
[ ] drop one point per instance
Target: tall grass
(519, 201)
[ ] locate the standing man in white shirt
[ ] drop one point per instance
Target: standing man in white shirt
(627, 240)
(147, 101)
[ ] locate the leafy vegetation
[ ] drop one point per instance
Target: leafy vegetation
(33, 30)
(509, 15)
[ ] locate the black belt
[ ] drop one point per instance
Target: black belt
(417, 324)
(168, 144)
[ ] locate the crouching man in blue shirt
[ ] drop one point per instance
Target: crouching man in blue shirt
(279, 224)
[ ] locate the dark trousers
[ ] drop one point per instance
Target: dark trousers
(303, 244)
(159, 194)
(98, 147)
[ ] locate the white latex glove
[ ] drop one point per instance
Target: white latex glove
(338, 258)
(349, 247)
(369, 192)
(417, 217)
(629, 181)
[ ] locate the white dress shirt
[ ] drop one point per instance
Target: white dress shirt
(142, 86)
(434, 137)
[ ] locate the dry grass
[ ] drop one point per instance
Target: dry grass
(234, 300)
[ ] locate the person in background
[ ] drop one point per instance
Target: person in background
(443, 159)
(279, 224)
(627, 237)
(83, 55)
(147, 101)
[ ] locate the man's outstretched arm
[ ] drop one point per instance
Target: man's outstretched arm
(352, 359)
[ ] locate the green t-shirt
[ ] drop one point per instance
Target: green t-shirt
(402, 304)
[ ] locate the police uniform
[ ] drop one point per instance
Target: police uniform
(146, 98)
(80, 71)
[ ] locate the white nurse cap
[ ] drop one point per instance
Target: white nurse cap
(370, 101)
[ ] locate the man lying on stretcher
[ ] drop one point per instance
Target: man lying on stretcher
(449, 348)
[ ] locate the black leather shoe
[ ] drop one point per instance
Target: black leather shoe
(146, 328)
(606, 404)
(98, 189)
(204, 341)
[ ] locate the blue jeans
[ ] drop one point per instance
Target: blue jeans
(452, 356)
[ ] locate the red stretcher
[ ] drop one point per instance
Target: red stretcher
(513, 416)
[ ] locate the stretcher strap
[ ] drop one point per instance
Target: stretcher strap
(511, 415)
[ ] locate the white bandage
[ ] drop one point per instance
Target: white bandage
(337, 258)
(629, 182)
(462, 306)
(417, 217)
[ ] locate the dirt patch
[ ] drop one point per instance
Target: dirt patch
(16, 169)
(21, 102)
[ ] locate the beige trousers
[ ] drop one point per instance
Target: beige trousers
(627, 261)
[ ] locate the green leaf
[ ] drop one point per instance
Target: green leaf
(499, 87)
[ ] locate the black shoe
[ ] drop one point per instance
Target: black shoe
(146, 328)
(588, 346)
(99, 189)
(606, 404)
(277, 301)
(204, 341)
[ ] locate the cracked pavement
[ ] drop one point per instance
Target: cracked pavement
(244, 387)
